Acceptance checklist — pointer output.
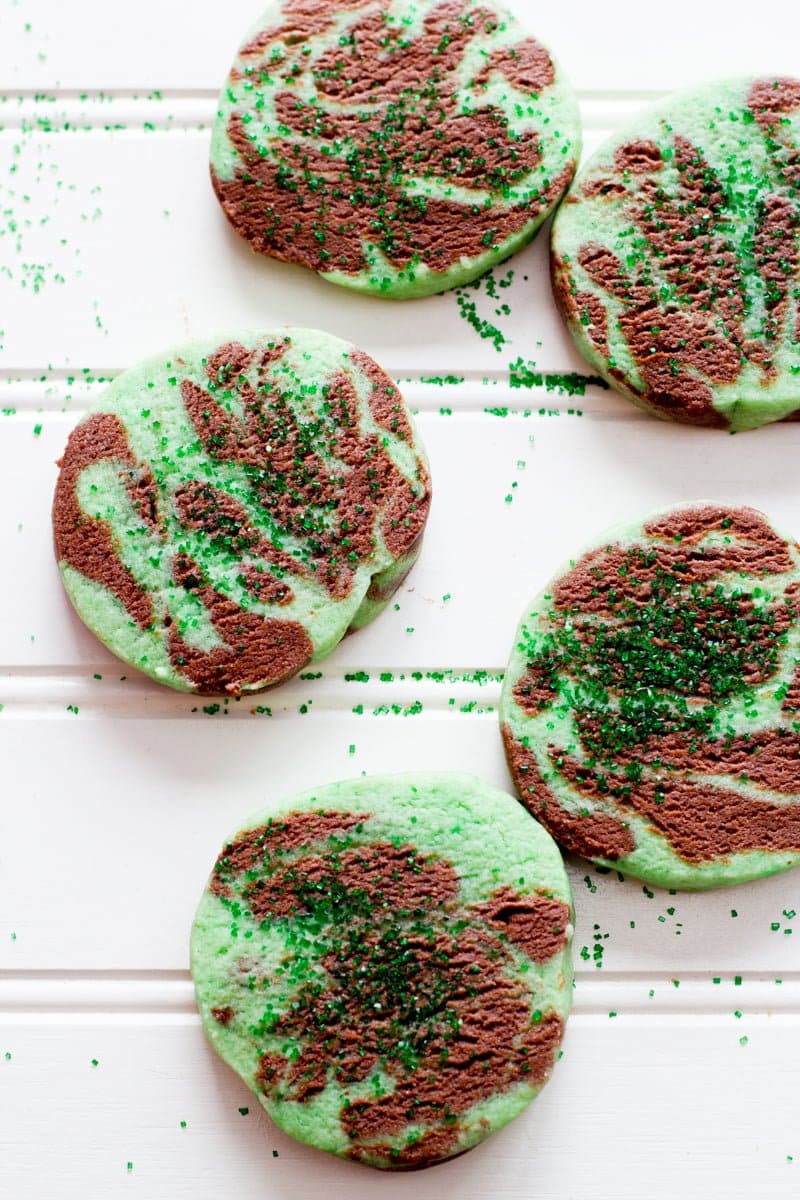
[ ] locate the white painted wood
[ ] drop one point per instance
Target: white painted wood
(110, 817)
(568, 478)
(149, 261)
(636, 1107)
(161, 44)
(58, 998)
(133, 809)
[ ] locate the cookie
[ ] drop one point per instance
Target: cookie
(676, 256)
(399, 148)
(229, 511)
(651, 708)
(385, 962)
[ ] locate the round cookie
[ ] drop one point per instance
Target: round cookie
(676, 256)
(651, 707)
(398, 147)
(227, 512)
(385, 962)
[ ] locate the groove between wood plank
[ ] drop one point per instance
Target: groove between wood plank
(31, 996)
(144, 94)
(193, 110)
(35, 692)
(478, 394)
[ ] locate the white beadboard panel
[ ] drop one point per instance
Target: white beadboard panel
(636, 1107)
(90, 44)
(34, 114)
(679, 1074)
(134, 256)
(130, 815)
(124, 997)
(514, 497)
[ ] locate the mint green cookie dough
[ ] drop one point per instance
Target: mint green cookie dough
(676, 258)
(651, 707)
(228, 511)
(399, 148)
(385, 963)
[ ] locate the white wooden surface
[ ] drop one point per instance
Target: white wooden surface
(680, 1068)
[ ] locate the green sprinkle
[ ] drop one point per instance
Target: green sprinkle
(524, 375)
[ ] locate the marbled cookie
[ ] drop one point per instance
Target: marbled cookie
(651, 708)
(385, 962)
(398, 147)
(676, 256)
(229, 511)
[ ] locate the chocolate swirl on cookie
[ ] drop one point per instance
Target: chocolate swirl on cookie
(676, 257)
(650, 708)
(226, 515)
(380, 993)
(394, 148)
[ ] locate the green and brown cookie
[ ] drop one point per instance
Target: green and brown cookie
(398, 147)
(227, 512)
(676, 256)
(651, 708)
(385, 962)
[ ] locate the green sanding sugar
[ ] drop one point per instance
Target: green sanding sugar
(676, 257)
(651, 693)
(226, 513)
(396, 149)
(348, 943)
